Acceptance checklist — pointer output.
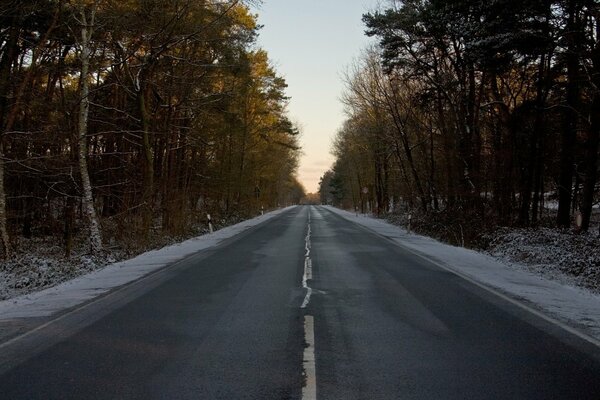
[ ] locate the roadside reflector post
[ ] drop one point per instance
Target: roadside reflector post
(409, 221)
(210, 225)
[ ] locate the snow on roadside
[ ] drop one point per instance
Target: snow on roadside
(71, 293)
(573, 305)
(559, 255)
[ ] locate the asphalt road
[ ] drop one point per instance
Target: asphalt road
(231, 323)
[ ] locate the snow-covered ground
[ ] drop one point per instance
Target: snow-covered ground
(76, 291)
(561, 255)
(571, 305)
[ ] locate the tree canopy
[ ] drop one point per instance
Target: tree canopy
(187, 116)
(477, 112)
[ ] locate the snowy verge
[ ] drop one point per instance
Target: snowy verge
(71, 293)
(571, 305)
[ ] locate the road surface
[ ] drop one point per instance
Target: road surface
(307, 305)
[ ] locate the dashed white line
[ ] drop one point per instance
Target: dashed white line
(307, 239)
(307, 266)
(307, 269)
(307, 297)
(309, 391)
(305, 278)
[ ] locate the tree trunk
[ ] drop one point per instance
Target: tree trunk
(593, 142)
(502, 146)
(84, 107)
(68, 229)
(466, 129)
(4, 238)
(148, 160)
(432, 166)
(535, 153)
(591, 163)
(569, 131)
(402, 168)
(449, 149)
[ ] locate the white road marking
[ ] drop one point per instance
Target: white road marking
(307, 266)
(309, 391)
(307, 240)
(307, 297)
(305, 278)
(307, 269)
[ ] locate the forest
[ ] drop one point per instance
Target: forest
(469, 115)
(124, 120)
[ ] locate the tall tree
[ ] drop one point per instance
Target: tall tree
(573, 36)
(87, 20)
(592, 41)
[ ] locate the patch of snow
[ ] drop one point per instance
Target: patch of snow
(561, 300)
(76, 291)
(558, 254)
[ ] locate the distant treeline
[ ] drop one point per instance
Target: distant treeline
(142, 114)
(475, 109)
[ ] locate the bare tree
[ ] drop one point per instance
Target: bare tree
(87, 29)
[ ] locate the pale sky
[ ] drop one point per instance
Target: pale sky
(311, 43)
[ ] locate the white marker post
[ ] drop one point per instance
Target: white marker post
(210, 225)
(409, 221)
